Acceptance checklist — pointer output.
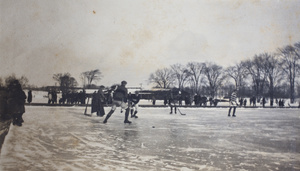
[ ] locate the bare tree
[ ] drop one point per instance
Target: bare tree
(162, 78)
(66, 81)
(237, 73)
(290, 64)
(255, 70)
(215, 77)
(22, 80)
(181, 74)
(195, 70)
(273, 72)
(90, 76)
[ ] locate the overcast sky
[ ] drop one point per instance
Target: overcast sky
(130, 39)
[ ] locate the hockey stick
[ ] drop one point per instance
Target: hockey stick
(86, 107)
(180, 112)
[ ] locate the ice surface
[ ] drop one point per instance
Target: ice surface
(62, 138)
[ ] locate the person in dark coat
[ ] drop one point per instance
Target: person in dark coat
(54, 97)
(196, 100)
(153, 100)
(101, 102)
(180, 99)
(16, 102)
(263, 101)
(50, 98)
(94, 102)
(241, 101)
(82, 96)
(245, 102)
(174, 101)
(165, 100)
(29, 97)
(4, 115)
(254, 101)
(187, 100)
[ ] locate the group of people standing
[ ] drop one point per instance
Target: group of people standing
(66, 97)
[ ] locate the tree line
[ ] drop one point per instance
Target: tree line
(272, 75)
(65, 80)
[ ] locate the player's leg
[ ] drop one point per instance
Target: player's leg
(135, 110)
(131, 112)
(113, 108)
(131, 109)
(126, 116)
(126, 107)
(175, 109)
(233, 114)
(229, 110)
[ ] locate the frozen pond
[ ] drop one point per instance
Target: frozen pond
(62, 138)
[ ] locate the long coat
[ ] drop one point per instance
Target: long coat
(98, 100)
(95, 103)
(29, 98)
(16, 101)
(3, 105)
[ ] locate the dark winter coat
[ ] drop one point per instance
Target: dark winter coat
(3, 105)
(29, 98)
(98, 100)
(16, 101)
(94, 102)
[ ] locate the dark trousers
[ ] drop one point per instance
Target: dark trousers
(233, 113)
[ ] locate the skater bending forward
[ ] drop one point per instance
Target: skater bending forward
(119, 100)
(232, 103)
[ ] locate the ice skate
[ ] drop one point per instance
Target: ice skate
(131, 113)
(127, 121)
(19, 124)
(134, 115)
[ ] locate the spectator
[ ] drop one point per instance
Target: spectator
(29, 97)
(16, 102)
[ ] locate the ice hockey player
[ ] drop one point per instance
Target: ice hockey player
(119, 100)
(173, 101)
(232, 102)
(134, 100)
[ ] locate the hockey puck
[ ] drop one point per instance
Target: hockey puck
(153, 126)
